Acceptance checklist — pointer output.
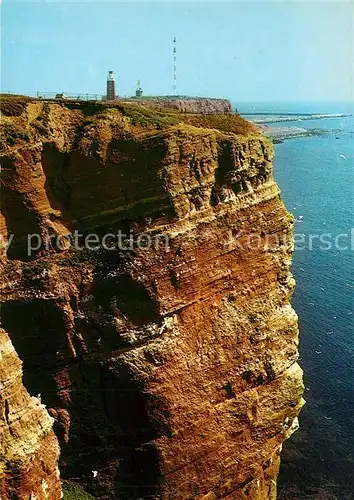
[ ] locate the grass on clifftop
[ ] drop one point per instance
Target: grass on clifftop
(142, 118)
(162, 118)
(147, 117)
(225, 123)
(73, 491)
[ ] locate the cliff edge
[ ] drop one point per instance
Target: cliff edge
(164, 345)
(186, 105)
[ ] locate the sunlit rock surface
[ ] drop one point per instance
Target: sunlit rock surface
(29, 449)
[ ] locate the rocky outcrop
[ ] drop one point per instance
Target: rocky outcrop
(167, 356)
(187, 105)
(29, 450)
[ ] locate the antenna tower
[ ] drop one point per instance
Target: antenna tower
(174, 66)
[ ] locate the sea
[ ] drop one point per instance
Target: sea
(316, 177)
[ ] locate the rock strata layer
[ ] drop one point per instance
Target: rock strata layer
(196, 105)
(168, 360)
(29, 450)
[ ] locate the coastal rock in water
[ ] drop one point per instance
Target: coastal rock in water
(29, 449)
(169, 359)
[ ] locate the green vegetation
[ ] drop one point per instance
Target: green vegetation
(162, 118)
(35, 270)
(72, 491)
(138, 115)
(75, 258)
(225, 123)
(146, 117)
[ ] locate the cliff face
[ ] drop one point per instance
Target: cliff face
(168, 358)
(197, 105)
(29, 450)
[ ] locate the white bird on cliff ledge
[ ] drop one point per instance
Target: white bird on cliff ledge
(94, 473)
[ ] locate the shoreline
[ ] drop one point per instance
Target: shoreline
(267, 122)
(279, 134)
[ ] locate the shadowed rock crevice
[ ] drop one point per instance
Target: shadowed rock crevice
(55, 166)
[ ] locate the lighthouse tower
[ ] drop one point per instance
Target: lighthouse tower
(111, 86)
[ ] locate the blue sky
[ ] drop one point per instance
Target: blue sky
(254, 51)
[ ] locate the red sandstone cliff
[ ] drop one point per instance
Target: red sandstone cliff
(196, 105)
(29, 450)
(170, 370)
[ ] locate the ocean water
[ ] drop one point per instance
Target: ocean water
(294, 107)
(316, 176)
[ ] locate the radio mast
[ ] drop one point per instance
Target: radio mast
(174, 66)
